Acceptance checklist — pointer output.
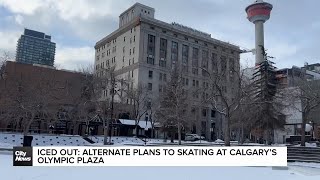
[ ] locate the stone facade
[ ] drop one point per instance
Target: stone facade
(145, 50)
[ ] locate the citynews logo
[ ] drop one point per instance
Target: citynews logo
(22, 156)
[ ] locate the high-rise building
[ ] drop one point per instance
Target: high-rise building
(35, 48)
(145, 50)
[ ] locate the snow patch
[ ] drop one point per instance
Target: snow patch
(307, 145)
(219, 141)
(16, 139)
(6, 145)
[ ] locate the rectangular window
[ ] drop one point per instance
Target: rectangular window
(151, 38)
(151, 49)
(150, 74)
(163, 52)
(223, 65)
(185, 56)
(150, 60)
(150, 86)
(162, 63)
(195, 61)
(174, 54)
(214, 63)
(204, 112)
(205, 63)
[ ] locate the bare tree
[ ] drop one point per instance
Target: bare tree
(307, 94)
(5, 56)
(154, 109)
(96, 84)
(174, 107)
(226, 104)
(140, 98)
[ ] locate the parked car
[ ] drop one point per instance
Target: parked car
(193, 137)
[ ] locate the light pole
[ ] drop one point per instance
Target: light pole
(146, 128)
(312, 124)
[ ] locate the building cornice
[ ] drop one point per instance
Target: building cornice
(165, 26)
(170, 27)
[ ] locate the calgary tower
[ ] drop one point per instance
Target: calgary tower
(258, 13)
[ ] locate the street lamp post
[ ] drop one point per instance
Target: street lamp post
(146, 129)
(312, 124)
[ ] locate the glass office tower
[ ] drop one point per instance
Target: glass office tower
(35, 48)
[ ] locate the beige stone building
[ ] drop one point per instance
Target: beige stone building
(145, 50)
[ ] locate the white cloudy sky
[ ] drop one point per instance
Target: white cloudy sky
(291, 35)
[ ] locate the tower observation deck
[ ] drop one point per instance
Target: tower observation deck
(258, 13)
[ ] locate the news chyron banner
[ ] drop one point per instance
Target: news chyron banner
(150, 156)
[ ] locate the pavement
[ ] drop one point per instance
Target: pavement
(304, 170)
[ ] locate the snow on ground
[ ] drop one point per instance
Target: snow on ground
(155, 173)
(5, 145)
(308, 145)
(117, 139)
(16, 139)
(219, 141)
(305, 164)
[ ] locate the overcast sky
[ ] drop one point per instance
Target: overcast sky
(291, 34)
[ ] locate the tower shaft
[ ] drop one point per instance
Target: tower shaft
(259, 36)
(258, 13)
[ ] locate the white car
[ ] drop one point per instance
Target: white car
(193, 137)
